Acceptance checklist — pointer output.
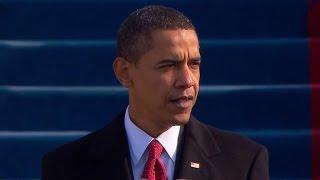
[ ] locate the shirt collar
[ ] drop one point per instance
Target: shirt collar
(139, 140)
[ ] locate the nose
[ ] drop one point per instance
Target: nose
(185, 78)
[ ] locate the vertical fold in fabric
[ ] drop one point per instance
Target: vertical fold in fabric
(315, 111)
(314, 51)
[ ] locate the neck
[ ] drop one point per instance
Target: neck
(150, 126)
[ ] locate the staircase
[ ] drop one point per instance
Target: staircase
(260, 76)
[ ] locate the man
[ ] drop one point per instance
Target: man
(156, 137)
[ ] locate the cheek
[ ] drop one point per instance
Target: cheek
(196, 77)
(161, 87)
(153, 86)
(197, 82)
(162, 84)
(167, 79)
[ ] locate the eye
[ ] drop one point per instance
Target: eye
(195, 64)
(168, 65)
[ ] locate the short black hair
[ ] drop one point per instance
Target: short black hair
(134, 34)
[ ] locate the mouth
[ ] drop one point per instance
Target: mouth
(182, 102)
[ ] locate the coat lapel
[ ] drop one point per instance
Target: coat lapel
(196, 151)
(110, 152)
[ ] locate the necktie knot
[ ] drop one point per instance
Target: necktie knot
(155, 149)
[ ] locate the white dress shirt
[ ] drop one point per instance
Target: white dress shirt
(138, 142)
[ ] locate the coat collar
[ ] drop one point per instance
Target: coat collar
(196, 152)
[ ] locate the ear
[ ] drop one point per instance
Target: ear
(121, 70)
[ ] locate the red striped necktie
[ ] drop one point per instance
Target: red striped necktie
(154, 169)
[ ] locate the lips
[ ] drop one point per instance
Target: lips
(182, 102)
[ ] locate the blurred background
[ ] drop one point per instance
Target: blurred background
(260, 76)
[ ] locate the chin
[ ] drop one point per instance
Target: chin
(181, 119)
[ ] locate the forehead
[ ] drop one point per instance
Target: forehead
(179, 37)
(180, 43)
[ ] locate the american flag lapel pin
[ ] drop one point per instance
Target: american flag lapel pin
(195, 165)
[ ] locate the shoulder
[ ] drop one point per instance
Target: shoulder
(229, 139)
(82, 153)
(72, 149)
(231, 144)
(82, 146)
(225, 138)
(236, 153)
(61, 160)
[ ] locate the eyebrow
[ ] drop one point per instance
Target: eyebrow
(175, 61)
(167, 61)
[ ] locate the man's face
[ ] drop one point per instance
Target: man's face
(165, 82)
